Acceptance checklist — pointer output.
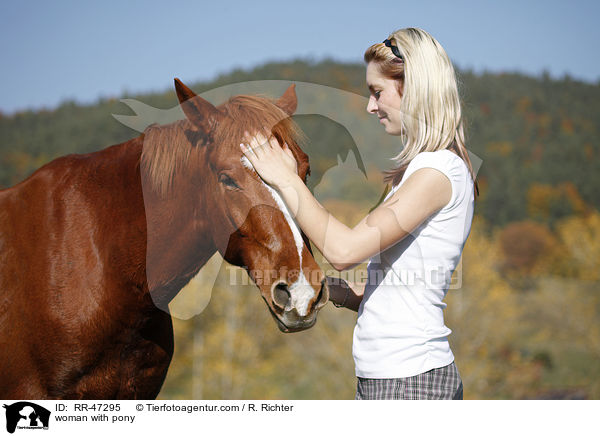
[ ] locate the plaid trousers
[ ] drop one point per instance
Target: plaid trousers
(437, 384)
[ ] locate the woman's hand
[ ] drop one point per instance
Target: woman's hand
(276, 165)
(343, 294)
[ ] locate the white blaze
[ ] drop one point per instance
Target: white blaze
(301, 290)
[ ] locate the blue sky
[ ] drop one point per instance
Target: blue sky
(78, 50)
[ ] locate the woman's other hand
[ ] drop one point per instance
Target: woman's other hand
(343, 294)
(275, 164)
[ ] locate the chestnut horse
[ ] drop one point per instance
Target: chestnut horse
(93, 247)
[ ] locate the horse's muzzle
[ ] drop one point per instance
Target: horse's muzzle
(290, 319)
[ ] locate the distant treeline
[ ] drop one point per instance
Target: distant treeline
(538, 137)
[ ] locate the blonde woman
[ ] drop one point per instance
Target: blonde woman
(413, 239)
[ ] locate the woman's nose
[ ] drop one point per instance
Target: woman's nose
(372, 105)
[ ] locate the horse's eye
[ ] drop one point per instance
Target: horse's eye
(228, 181)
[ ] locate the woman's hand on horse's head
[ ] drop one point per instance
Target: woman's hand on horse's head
(275, 164)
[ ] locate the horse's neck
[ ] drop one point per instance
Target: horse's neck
(176, 246)
(179, 243)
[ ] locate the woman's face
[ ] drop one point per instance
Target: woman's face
(384, 100)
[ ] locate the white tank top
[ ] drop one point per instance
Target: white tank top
(400, 330)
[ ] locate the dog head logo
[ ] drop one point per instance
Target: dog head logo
(26, 415)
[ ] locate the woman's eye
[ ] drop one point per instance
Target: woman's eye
(377, 94)
(228, 181)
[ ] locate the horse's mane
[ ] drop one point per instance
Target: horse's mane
(168, 148)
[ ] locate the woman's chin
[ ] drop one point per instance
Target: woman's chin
(392, 130)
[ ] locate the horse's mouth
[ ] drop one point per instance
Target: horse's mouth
(297, 327)
(282, 326)
(294, 326)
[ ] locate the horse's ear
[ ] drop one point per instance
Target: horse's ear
(288, 102)
(198, 111)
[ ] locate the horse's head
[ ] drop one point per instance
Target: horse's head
(251, 225)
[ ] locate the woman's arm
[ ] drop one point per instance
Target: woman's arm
(426, 191)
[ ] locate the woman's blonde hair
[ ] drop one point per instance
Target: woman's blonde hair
(430, 107)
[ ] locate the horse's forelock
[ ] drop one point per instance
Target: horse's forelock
(167, 149)
(254, 113)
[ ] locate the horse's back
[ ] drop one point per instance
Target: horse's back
(61, 207)
(41, 217)
(63, 261)
(32, 230)
(29, 215)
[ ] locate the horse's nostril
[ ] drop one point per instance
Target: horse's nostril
(281, 294)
